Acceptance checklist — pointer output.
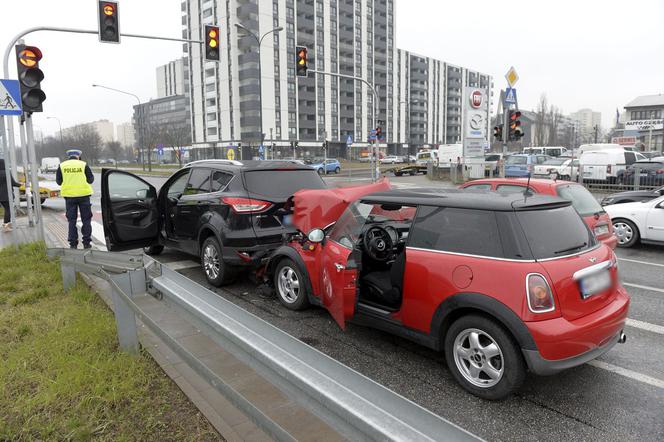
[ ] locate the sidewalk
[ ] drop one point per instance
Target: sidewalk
(229, 421)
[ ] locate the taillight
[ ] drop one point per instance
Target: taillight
(608, 168)
(246, 205)
(540, 297)
(659, 171)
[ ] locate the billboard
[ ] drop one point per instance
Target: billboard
(475, 122)
(642, 125)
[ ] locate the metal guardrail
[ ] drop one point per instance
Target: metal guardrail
(354, 405)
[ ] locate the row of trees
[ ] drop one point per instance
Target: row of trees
(551, 128)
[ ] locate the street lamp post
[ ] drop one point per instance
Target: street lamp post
(259, 41)
(140, 125)
(62, 144)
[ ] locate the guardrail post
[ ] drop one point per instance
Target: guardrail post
(68, 276)
(637, 178)
(125, 319)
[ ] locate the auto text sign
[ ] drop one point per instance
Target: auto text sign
(10, 98)
(656, 124)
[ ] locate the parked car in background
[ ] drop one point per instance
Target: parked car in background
(449, 154)
(229, 213)
(500, 283)
(325, 166)
(50, 164)
(632, 196)
(606, 164)
(426, 156)
(552, 151)
(583, 201)
(521, 165)
(638, 222)
(559, 167)
(651, 173)
(652, 154)
(391, 159)
(491, 163)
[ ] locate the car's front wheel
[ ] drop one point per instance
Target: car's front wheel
(290, 286)
(484, 358)
(337, 170)
(217, 272)
(626, 231)
(320, 171)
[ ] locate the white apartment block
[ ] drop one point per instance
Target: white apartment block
(419, 98)
(125, 134)
(104, 128)
(171, 78)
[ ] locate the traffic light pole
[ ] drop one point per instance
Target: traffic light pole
(375, 172)
(24, 154)
(34, 174)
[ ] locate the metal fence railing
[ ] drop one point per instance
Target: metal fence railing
(355, 406)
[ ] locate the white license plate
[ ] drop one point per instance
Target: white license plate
(595, 283)
(601, 230)
(587, 173)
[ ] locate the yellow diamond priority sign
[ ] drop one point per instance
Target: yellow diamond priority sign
(512, 77)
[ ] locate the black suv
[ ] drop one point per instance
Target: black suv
(229, 213)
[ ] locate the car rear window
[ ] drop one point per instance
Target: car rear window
(281, 183)
(473, 232)
(582, 200)
(552, 233)
(516, 160)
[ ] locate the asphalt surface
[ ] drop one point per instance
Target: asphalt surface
(619, 397)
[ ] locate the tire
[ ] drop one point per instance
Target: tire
(289, 285)
(626, 231)
(320, 171)
(506, 363)
(412, 173)
(398, 174)
(217, 272)
(337, 170)
(153, 250)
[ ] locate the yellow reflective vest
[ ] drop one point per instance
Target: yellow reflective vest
(74, 182)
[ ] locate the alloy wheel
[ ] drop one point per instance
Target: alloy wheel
(624, 232)
(478, 358)
(211, 262)
(288, 284)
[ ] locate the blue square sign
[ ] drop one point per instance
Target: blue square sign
(10, 98)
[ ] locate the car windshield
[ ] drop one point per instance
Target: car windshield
(516, 160)
(582, 200)
(492, 158)
(554, 161)
(282, 183)
(552, 233)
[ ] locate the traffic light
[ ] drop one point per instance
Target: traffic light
(498, 132)
(211, 43)
(109, 23)
(515, 132)
(301, 61)
(30, 77)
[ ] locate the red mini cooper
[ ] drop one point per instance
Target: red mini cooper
(583, 201)
(502, 283)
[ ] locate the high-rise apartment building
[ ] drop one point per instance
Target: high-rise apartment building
(172, 78)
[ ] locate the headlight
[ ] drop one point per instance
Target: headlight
(538, 293)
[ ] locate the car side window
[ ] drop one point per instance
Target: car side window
(479, 187)
(630, 158)
(176, 188)
(220, 180)
(540, 160)
(199, 182)
(124, 187)
(511, 188)
(469, 231)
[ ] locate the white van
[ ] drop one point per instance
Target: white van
(449, 153)
(426, 156)
(606, 164)
(599, 146)
(552, 151)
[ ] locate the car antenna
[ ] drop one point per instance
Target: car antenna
(527, 192)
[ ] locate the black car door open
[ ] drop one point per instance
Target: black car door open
(129, 210)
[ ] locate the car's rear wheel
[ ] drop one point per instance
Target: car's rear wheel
(290, 286)
(412, 172)
(484, 358)
(398, 173)
(626, 231)
(217, 272)
(153, 250)
(337, 170)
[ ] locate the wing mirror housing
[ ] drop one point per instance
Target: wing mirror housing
(142, 194)
(316, 236)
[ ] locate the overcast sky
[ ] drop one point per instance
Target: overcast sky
(583, 53)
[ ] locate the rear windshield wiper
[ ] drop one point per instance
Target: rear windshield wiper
(570, 248)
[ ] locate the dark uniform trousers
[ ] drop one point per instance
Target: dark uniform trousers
(83, 205)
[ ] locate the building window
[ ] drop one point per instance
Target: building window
(212, 131)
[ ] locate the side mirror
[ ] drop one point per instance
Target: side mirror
(316, 236)
(142, 194)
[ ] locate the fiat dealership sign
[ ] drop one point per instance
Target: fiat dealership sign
(476, 99)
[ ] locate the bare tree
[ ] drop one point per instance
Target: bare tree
(87, 139)
(554, 120)
(541, 121)
(113, 150)
(176, 137)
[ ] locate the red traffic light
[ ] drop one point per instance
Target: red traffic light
(515, 115)
(29, 56)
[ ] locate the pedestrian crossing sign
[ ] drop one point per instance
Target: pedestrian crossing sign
(10, 98)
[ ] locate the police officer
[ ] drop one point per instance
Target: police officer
(74, 178)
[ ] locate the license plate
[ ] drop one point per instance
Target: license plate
(601, 230)
(595, 283)
(287, 220)
(587, 173)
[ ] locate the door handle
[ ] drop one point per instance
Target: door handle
(339, 266)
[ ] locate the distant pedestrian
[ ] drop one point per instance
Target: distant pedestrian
(4, 196)
(75, 178)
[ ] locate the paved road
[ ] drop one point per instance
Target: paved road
(618, 397)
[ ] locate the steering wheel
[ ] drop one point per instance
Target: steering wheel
(378, 243)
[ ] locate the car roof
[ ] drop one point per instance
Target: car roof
(536, 183)
(481, 200)
(251, 164)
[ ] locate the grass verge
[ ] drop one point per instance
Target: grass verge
(62, 376)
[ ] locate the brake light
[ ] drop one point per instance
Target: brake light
(608, 168)
(539, 295)
(246, 205)
(659, 171)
